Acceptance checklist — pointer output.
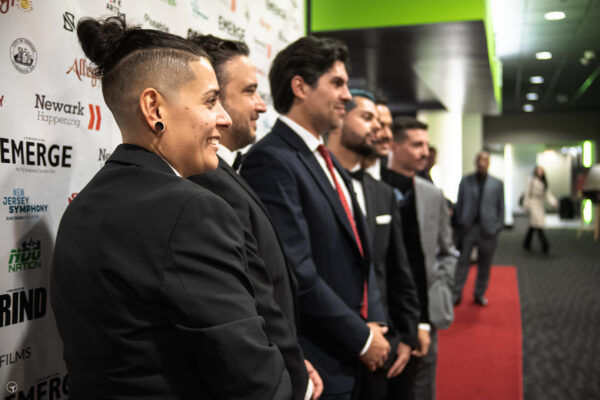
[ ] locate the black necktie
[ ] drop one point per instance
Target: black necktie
(237, 162)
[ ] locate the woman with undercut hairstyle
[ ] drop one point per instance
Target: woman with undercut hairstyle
(149, 284)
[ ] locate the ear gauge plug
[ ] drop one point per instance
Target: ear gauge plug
(159, 127)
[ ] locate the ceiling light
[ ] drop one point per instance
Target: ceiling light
(584, 61)
(589, 54)
(532, 96)
(543, 55)
(536, 79)
(554, 15)
(528, 108)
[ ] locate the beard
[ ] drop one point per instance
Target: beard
(242, 134)
(357, 144)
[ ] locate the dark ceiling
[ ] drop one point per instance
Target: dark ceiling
(445, 65)
(564, 87)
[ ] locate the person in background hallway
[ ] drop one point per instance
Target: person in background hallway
(480, 217)
(536, 192)
(273, 281)
(309, 197)
(426, 172)
(431, 254)
(354, 146)
(149, 284)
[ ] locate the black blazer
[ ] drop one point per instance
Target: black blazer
(392, 269)
(322, 250)
(274, 284)
(151, 294)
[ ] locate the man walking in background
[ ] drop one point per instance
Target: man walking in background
(480, 217)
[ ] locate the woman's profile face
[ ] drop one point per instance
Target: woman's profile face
(539, 172)
(194, 118)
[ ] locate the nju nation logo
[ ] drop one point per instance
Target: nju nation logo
(23, 55)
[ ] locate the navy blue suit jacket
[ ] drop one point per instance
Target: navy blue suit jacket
(322, 250)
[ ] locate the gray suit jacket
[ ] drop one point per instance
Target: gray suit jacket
(491, 217)
(438, 249)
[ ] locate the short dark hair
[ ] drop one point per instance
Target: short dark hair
(309, 57)
(401, 124)
(381, 100)
(220, 51)
(351, 104)
(127, 59)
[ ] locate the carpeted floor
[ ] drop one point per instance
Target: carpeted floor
(560, 307)
(480, 354)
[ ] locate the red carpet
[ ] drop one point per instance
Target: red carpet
(480, 356)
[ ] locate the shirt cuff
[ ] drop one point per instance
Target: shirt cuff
(367, 344)
(425, 327)
(309, 390)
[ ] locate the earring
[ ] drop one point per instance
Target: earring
(159, 127)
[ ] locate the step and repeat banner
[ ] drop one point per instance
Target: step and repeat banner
(56, 133)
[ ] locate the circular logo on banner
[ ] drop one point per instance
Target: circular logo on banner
(12, 387)
(23, 55)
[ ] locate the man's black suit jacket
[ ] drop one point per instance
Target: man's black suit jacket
(274, 284)
(393, 272)
(321, 247)
(151, 294)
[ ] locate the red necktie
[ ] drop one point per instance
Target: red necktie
(325, 154)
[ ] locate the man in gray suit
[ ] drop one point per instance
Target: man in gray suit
(480, 217)
(431, 253)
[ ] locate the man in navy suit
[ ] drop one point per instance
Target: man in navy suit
(310, 198)
(273, 280)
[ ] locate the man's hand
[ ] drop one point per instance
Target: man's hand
(403, 352)
(424, 342)
(314, 376)
(379, 349)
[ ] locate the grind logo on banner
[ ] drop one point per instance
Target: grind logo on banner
(231, 28)
(27, 257)
(114, 6)
(23, 55)
(19, 206)
(51, 387)
(55, 112)
(161, 26)
(20, 305)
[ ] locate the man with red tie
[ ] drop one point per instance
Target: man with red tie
(310, 198)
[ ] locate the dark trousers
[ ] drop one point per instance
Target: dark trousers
(486, 245)
(541, 235)
(417, 381)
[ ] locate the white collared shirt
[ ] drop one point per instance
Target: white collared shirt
(227, 155)
(375, 170)
(312, 143)
(359, 191)
(174, 170)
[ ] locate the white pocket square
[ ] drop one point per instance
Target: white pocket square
(383, 219)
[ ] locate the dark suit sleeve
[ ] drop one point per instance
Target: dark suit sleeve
(279, 330)
(500, 207)
(403, 300)
(376, 312)
(320, 306)
(210, 303)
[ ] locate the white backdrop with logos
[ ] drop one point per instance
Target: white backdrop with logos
(57, 133)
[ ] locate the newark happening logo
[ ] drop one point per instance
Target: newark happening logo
(27, 257)
(55, 112)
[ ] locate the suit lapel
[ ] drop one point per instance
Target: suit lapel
(420, 200)
(369, 200)
(237, 178)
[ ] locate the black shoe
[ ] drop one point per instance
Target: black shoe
(527, 246)
(457, 301)
(482, 301)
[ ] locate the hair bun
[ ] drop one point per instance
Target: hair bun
(100, 39)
